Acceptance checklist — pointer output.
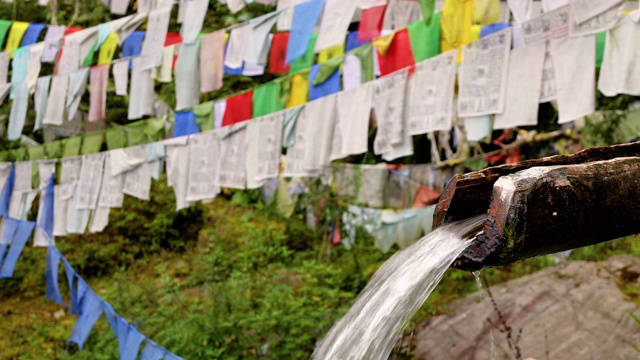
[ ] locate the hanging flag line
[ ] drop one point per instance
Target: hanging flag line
(84, 302)
(121, 30)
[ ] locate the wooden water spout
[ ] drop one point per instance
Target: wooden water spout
(546, 205)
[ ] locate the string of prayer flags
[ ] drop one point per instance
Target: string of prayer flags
(266, 100)
(306, 60)
(431, 94)
(425, 39)
(157, 26)
(40, 100)
(211, 61)
(233, 153)
(187, 76)
(389, 99)
(204, 115)
(98, 100)
(370, 24)
(5, 25)
(18, 110)
(455, 24)
(33, 68)
(334, 23)
(18, 28)
(330, 53)
(142, 94)
(523, 87)
(132, 45)
(397, 54)
(299, 89)
(264, 146)
(278, 54)
(5, 59)
(305, 17)
(237, 46)
(324, 79)
(352, 124)
(486, 62)
(574, 62)
(185, 124)
(257, 43)
(486, 11)
(196, 12)
(32, 34)
(77, 86)
(619, 73)
(239, 108)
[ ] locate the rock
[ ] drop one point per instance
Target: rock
(574, 310)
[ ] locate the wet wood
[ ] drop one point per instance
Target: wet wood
(469, 194)
(544, 210)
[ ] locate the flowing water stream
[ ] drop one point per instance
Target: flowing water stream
(394, 294)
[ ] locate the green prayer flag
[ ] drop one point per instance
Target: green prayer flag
(19, 154)
(365, 55)
(4, 28)
(284, 88)
(155, 129)
(89, 59)
(600, 40)
(427, 7)
(305, 61)
(53, 150)
(92, 143)
(327, 69)
(136, 133)
(36, 152)
(116, 138)
(204, 115)
(266, 100)
(72, 146)
(425, 40)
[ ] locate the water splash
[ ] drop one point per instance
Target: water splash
(394, 294)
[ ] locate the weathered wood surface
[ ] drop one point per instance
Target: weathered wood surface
(470, 194)
(544, 210)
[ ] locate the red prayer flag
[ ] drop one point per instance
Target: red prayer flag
(278, 54)
(370, 24)
(399, 54)
(172, 39)
(239, 108)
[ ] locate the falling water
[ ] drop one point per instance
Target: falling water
(492, 348)
(396, 291)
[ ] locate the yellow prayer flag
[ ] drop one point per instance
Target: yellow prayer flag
(299, 92)
(330, 53)
(383, 42)
(455, 24)
(475, 33)
(487, 12)
(107, 49)
(18, 28)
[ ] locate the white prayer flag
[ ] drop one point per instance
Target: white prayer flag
(574, 62)
(431, 90)
(335, 21)
(523, 87)
(204, 155)
(483, 75)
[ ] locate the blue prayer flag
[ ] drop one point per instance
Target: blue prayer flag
(305, 17)
(185, 123)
